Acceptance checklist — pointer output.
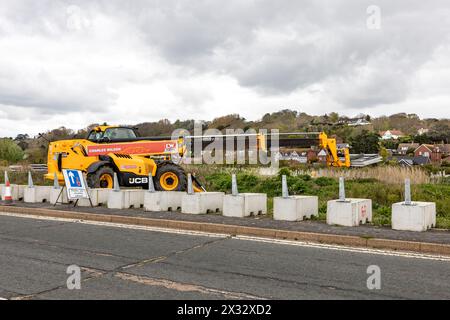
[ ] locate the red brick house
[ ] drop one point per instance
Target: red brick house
(403, 148)
(434, 152)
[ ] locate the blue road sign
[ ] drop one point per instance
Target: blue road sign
(74, 179)
(75, 184)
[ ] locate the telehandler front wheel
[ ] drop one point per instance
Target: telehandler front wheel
(102, 178)
(170, 177)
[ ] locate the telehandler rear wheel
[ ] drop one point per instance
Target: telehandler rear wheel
(170, 177)
(102, 178)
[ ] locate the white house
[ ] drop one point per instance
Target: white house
(391, 135)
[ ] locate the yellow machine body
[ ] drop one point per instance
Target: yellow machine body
(333, 153)
(111, 149)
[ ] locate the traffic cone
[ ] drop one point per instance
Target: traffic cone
(7, 198)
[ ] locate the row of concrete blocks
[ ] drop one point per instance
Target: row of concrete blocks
(294, 208)
(419, 216)
(241, 205)
(40, 194)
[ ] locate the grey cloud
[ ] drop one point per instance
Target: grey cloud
(41, 90)
(273, 47)
(191, 34)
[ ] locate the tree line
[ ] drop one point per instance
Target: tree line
(363, 139)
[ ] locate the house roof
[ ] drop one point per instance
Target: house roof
(408, 145)
(421, 160)
(428, 146)
(408, 162)
(393, 132)
(445, 148)
(413, 160)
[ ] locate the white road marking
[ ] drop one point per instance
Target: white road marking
(403, 254)
(118, 225)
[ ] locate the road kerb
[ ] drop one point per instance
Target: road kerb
(435, 248)
(235, 230)
(394, 245)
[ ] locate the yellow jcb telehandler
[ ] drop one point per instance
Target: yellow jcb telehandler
(109, 149)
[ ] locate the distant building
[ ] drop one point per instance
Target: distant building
(435, 152)
(322, 156)
(342, 145)
(299, 155)
(404, 147)
(391, 134)
(422, 131)
(358, 122)
(364, 160)
(413, 161)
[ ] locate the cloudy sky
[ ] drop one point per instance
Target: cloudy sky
(73, 63)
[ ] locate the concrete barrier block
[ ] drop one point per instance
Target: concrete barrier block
(350, 213)
(21, 191)
(152, 201)
(420, 216)
(99, 197)
(163, 200)
(102, 195)
(17, 191)
(37, 194)
(136, 198)
(295, 208)
(202, 202)
(244, 204)
(54, 193)
(125, 199)
(118, 200)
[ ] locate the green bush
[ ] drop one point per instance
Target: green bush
(10, 151)
(382, 216)
(325, 181)
(305, 177)
(284, 172)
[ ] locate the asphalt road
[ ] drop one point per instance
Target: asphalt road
(124, 263)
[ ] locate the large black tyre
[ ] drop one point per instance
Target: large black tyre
(102, 178)
(170, 177)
